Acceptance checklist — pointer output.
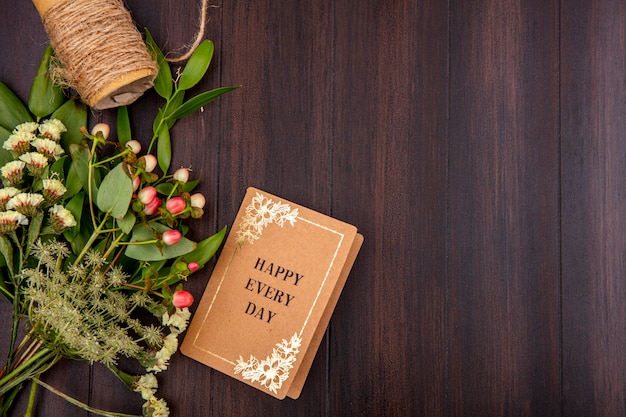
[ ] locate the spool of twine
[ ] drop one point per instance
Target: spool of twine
(102, 54)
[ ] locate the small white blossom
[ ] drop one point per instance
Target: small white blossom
(19, 142)
(11, 220)
(61, 218)
(147, 386)
(156, 408)
(29, 127)
(35, 162)
(170, 345)
(178, 321)
(6, 194)
(53, 189)
(52, 129)
(25, 203)
(12, 172)
(48, 148)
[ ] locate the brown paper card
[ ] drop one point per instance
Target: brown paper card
(272, 293)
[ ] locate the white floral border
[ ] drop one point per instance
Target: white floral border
(259, 213)
(272, 371)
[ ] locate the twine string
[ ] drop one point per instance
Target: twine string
(199, 35)
(97, 42)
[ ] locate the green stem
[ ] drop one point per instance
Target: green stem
(31, 398)
(80, 404)
(37, 364)
(92, 239)
(122, 154)
(113, 245)
(89, 180)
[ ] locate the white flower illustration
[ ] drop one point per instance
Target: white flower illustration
(272, 371)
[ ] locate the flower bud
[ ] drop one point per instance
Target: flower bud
(176, 205)
(147, 194)
(193, 266)
(152, 207)
(182, 299)
(134, 146)
(103, 128)
(150, 161)
(171, 237)
(136, 182)
(198, 200)
(181, 174)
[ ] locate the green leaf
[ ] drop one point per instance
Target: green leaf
(73, 114)
(164, 188)
(12, 110)
(197, 102)
(7, 251)
(197, 65)
(33, 231)
(5, 155)
(151, 251)
(206, 248)
(164, 149)
(45, 96)
(80, 167)
(190, 185)
(75, 206)
(127, 222)
(123, 125)
(4, 134)
(163, 83)
(115, 192)
(5, 288)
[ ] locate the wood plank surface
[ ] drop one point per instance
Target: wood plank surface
(478, 146)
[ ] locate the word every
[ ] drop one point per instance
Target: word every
(268, 291)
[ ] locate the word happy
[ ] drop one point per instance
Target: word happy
(269, 291)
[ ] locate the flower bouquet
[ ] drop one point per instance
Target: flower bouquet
(93, 240)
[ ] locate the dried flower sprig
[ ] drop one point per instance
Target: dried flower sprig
(92, 245)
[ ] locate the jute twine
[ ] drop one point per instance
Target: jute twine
(102, 54)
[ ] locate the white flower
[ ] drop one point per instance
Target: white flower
(61, 218)
(170, 345)
(25, 203)
(6, 194)
(12, 172)
(10, 220)
(48, 147)
(147, 386)
(178, 321)
(53, 189)
(156, 407)
(35, 162)
(29, 127)
(52, 129)
(19, 142)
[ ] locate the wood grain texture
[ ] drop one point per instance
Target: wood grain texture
(593, 207)
(479, 148)
(504, 209)
(389, 178)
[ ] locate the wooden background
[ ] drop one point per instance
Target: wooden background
(477, 145)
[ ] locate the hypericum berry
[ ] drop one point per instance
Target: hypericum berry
(135, 146)
(136, 182)
(150, 161)
(147, 194)
(103, 128)
(152, 207)
(171, 237)
(197, 200)
(176, 205)
(182, 299)
(193, 266)
(181, 174)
